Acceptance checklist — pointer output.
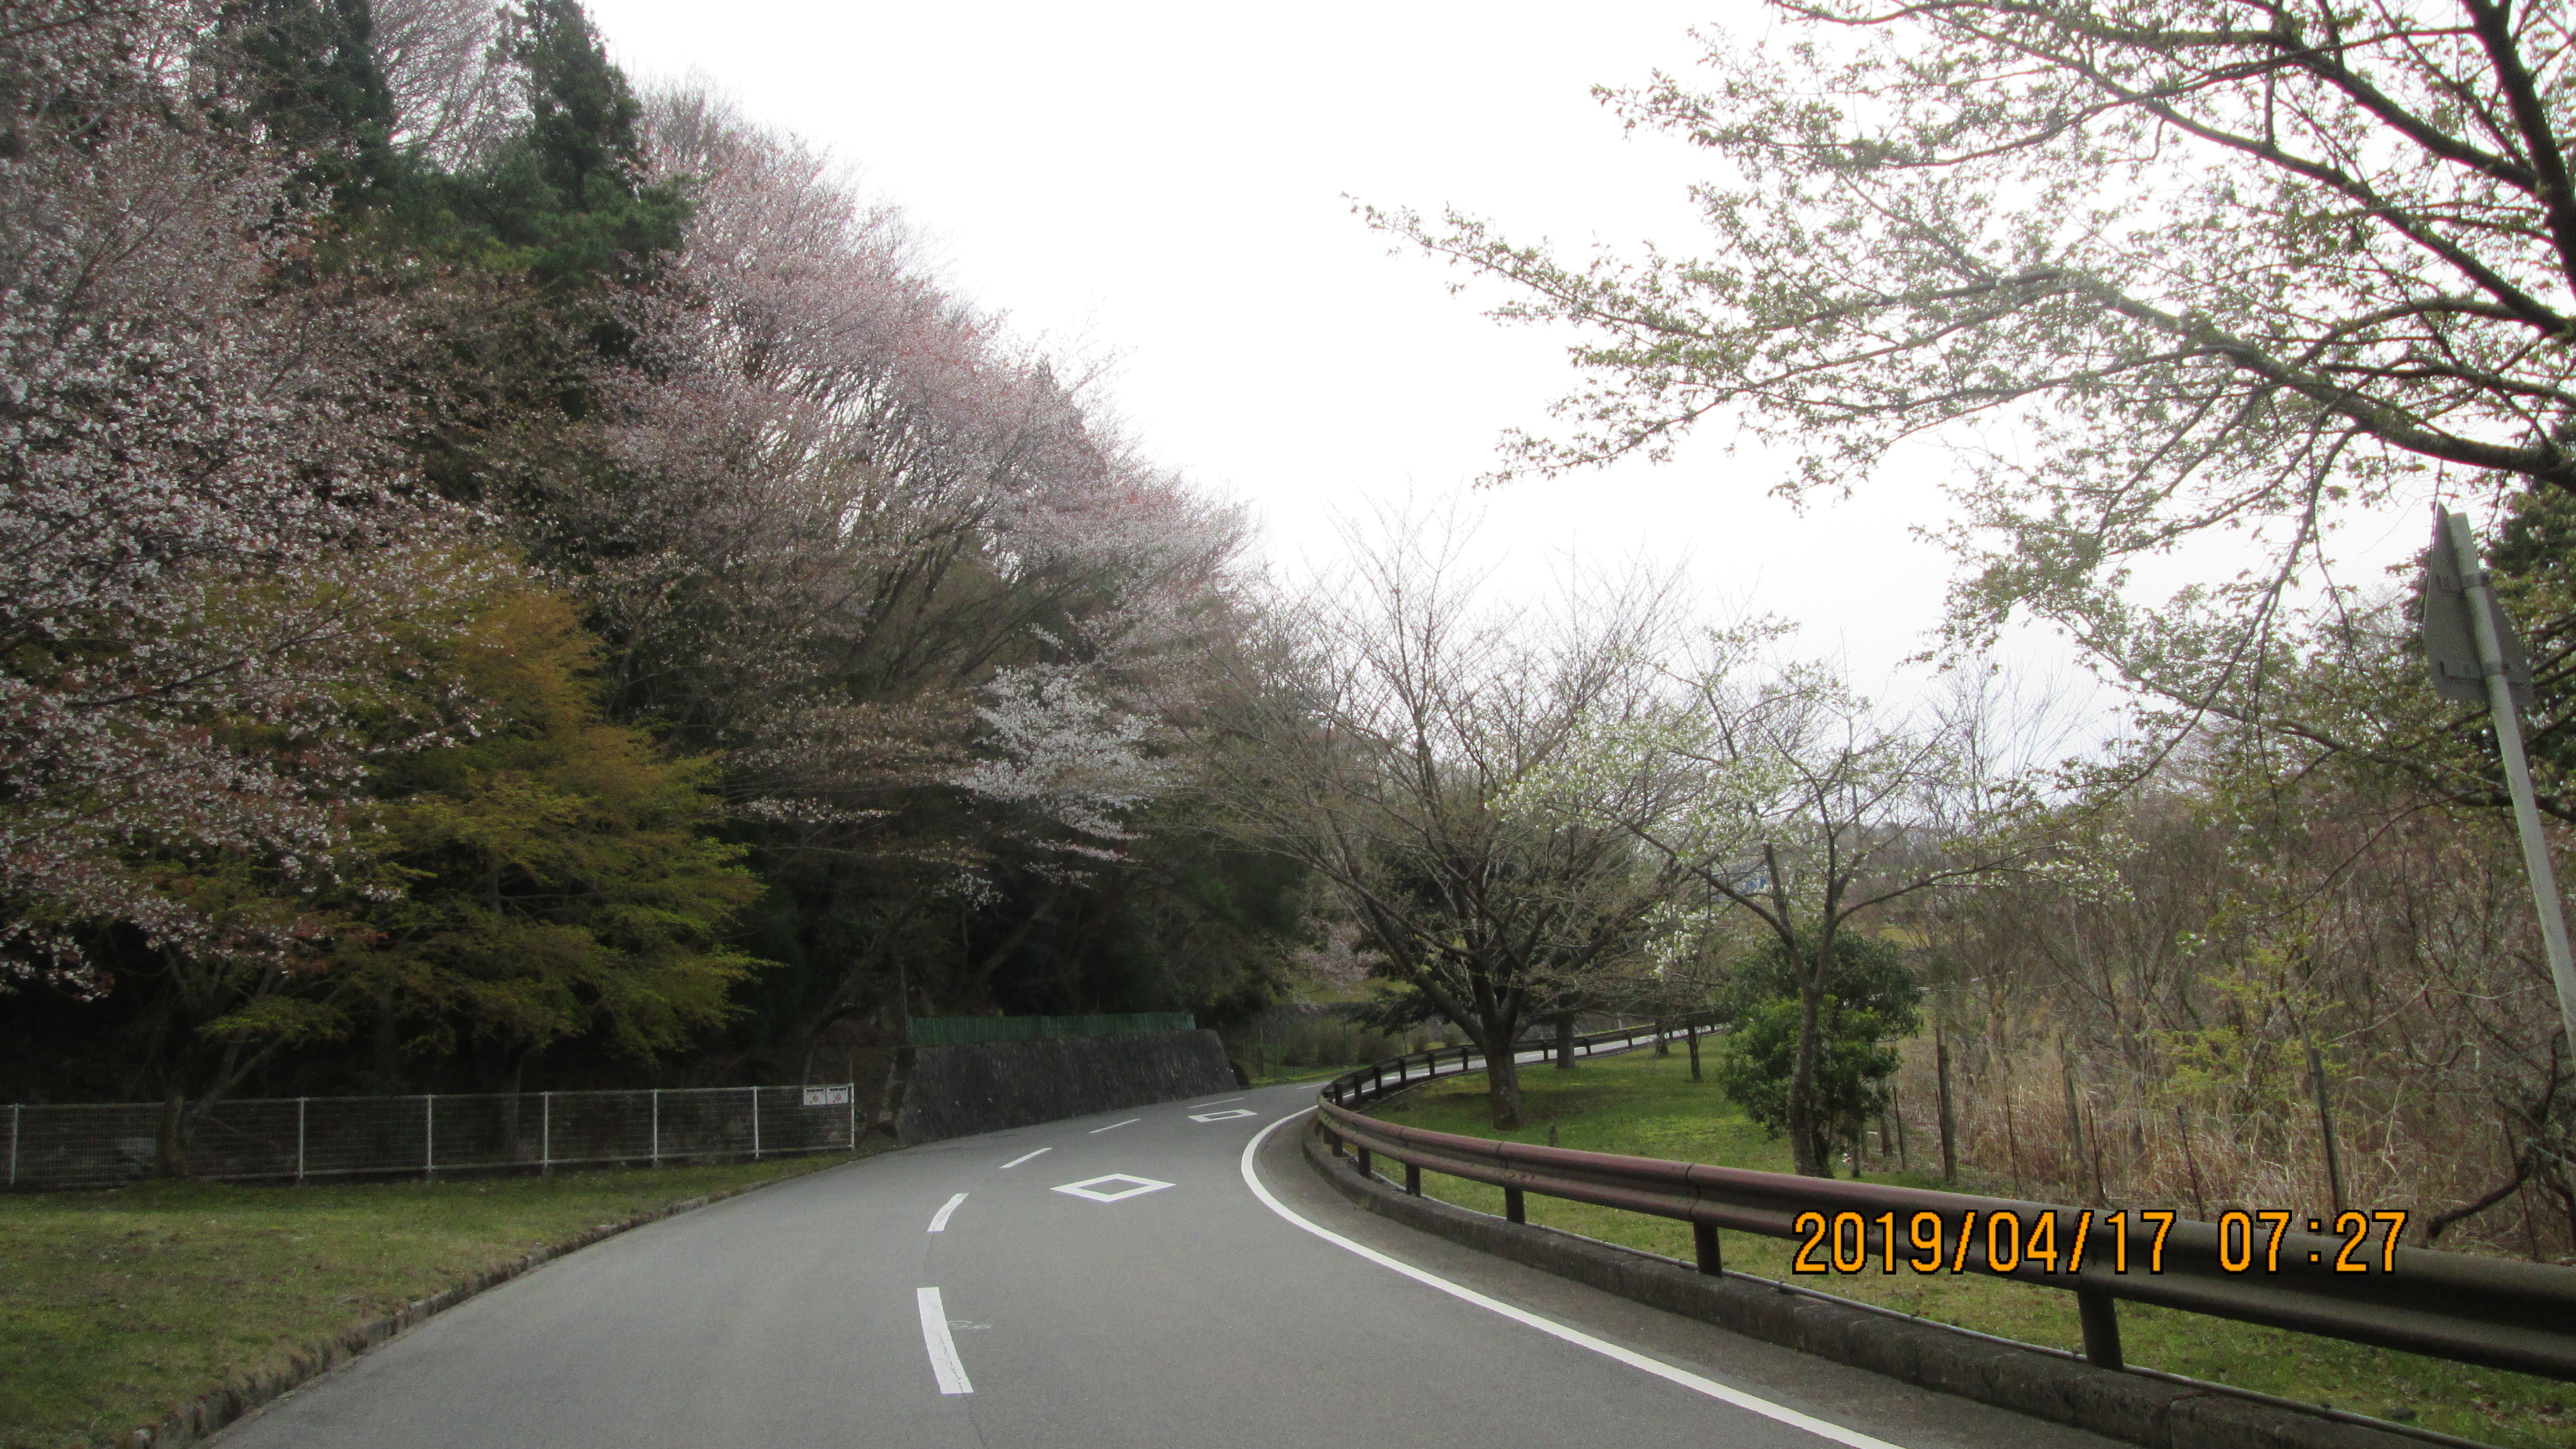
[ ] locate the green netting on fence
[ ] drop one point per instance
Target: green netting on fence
(960, 1030)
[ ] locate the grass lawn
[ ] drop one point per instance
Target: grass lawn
(1647, 1106)
(117, 1307)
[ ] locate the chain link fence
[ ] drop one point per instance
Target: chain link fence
(301, 1138)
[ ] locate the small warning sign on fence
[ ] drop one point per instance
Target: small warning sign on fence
(827, 1096)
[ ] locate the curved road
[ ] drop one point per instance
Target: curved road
(1167, 1276)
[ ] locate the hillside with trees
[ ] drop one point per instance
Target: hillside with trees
(515, 581)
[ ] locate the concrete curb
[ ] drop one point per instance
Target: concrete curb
(2120, 1406)
(201, 1418)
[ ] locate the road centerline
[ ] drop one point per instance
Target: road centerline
(1778, 1413)
(939, 1221)
(944, 1364)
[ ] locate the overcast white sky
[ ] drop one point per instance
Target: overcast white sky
(1173, 184)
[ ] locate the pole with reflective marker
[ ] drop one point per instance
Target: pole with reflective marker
(2502, 670)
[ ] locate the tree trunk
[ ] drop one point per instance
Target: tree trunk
(1503, 1081)
(1806, 1134)
(1565, 1041)
(171, 1146)
(1663, 1045)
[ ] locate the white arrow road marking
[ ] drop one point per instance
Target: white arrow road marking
(939, 1222)
(1016, 1161)
(1087, 1187)
(1114, 1126)
(1223, 1116)
(943, 1349)
(1633, 1359)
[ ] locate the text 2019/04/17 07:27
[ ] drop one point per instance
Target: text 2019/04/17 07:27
(2012, 1239)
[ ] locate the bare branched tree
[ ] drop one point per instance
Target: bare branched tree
(1391, 741)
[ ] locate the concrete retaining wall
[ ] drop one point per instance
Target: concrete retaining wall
(957, 1091)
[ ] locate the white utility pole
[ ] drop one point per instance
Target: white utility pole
(2484, 624)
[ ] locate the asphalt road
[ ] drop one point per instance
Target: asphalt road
(1167, 1276)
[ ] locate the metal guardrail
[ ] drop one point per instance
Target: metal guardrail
(2484, 1311)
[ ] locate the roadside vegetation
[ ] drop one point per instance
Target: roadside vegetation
(1647, 1106)
(120, 1306)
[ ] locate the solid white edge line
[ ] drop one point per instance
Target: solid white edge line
(1016, 1161)
(939, 1222)
(1130, 1122)
(1685, 1378)
(943, 1349)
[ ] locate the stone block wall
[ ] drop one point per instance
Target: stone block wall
(957, 1091)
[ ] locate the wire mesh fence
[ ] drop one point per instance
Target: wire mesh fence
(52, 1147)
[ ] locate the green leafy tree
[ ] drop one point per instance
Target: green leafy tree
(1871, 997)
(559, 878)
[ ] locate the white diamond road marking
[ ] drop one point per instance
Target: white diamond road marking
(1222, 1116)
(1086, 1187)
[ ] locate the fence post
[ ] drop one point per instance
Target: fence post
(657, 1126)
(15, 1109)
(851, 1129)
(2325, 1123)
(299, 1140)
(2074, 1124)
(2100, 1314)
(429, 1135)
(546, 1134)
(755, 1122)
(1941, 1074)
(1704, 1246)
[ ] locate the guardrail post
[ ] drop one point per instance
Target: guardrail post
(1514, 1208)
(299, 1146)
(545, 1134)
(1704, 1247)
(755, 1122)
(1413, 1179)
(1363, 1155)
(429, 1136)
(657, 1126)
(2100, 1314)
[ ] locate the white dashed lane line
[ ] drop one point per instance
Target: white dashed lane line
(1016, 1161)
(943, 1349)
(1114, 1126)
(939, 1223)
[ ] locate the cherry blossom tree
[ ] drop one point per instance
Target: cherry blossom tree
(205, 534)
